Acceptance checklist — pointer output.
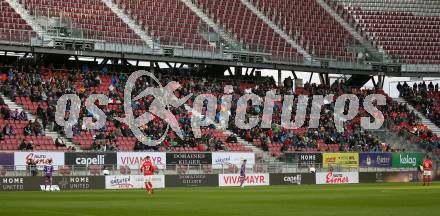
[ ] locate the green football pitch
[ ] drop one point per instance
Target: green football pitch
(360, 199)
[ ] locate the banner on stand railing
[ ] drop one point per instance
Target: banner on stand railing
(407, 160)
(90, 158)
(235, 158)
(135, 159)
(7, 161)
(20, 159)
(344, 160)
(381, 160)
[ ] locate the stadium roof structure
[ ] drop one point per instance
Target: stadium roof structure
(363, 37)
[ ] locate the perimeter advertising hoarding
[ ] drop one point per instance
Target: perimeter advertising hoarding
(436, 171)
(79, 182)
(345, 160)
(191, 180)
(7, 160)
(254, 179)
(337, 177)
(132, 181)
(135, 159)
(379, 160)
(236, 158)
(89, 158)
(367, 177)
(292, 178)
(40, 158)
(189, 158)
(407, 160)
(13, 183)
(304, 160)
(398, 176)
(32, 183)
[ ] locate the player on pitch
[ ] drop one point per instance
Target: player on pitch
(243, 173)
(48, 171)
(427, 166)
(148, 169)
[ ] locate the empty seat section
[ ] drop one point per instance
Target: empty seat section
(171, 22)
(408, 30)
(12, 27)
(248, 29)
(310, 26)
(92, 17)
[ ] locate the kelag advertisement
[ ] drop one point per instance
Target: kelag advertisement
(406, 160)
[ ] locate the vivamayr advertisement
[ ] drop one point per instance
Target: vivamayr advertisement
(256, 179)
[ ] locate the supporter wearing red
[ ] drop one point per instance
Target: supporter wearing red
(427, 166)
(148, 168)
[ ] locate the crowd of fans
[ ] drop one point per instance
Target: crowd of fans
(425, 98)
(8, 117)
(352, 139)
(47, 85)
(13, 115)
